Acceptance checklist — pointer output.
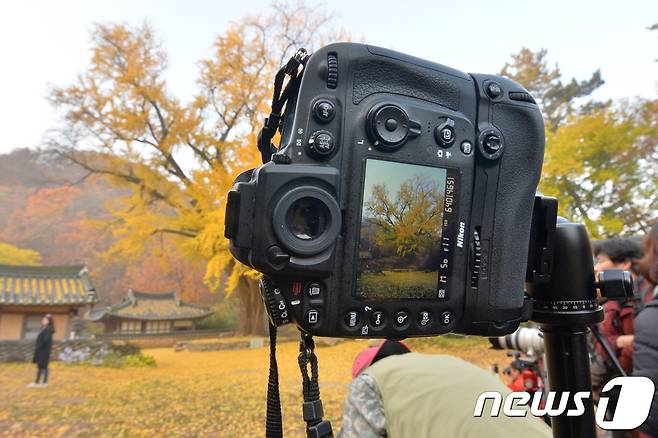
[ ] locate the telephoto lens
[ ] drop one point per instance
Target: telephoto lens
(527, 340)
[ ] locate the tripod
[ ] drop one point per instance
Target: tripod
(563, 286)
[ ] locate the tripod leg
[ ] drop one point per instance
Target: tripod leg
(568, 369)
(608, 351)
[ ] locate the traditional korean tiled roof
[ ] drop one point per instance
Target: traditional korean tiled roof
(148, 306)
(45, 285)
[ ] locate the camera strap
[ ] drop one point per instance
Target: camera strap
(316, 427)
(273, 422)
(294, 68)
(312, 408)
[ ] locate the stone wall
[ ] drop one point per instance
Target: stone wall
(23, 351)
(163, 340)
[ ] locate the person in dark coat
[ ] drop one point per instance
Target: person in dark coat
(617, 325)
(42, 351)
(645, 351)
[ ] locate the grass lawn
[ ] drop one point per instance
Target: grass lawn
(218, 394)
(390, 284)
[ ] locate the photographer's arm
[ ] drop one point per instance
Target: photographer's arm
(363, 416)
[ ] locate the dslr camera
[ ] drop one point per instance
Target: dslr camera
(399, 202)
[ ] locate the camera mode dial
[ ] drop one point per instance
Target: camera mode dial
(389, 127)
(275, 304)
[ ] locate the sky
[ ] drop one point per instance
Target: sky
(46, 43)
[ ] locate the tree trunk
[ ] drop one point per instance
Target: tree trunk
(252, 318)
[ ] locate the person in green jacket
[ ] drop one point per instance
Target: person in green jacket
(396, 393)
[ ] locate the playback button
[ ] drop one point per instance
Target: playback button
(313, 316)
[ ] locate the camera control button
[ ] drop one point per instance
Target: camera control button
(466, 147)
(276, 255)
(377, 319)
(313, 316)
(321, 144)
(446, 318)
(447, 135)
(492, 143)
(324, 111)
(401, 319)
(494, 90)
(352, 318)
(315, 294)
(391, 125)
(388, 126)
(444, 134)
(314, 290)
(424, 318)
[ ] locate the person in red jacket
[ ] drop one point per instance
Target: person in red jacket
(522, 378)
(617, 325)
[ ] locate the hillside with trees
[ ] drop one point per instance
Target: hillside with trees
(53, 212)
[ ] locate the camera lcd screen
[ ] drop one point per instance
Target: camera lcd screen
(400, 251)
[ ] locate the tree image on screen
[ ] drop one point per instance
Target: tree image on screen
(400, 231)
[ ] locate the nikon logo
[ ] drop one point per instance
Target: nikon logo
(632, 407)
(460, 236)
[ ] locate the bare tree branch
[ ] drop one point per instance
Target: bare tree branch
(185, 233)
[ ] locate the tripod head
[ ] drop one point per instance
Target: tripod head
(563, 287)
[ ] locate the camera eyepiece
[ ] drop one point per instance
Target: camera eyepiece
(307, 220)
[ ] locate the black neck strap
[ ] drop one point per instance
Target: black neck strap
(294, 69)
(312, 408)
(316, 427)
(273, 422)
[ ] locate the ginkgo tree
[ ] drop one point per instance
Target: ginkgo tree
(601, 157)
(410, 221)
(12, 255)
(122, 122)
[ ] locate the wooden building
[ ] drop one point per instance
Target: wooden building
(141, 312)
(27, 293)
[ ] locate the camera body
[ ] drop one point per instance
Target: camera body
(399, 203)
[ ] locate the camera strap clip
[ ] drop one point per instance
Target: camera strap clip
(312, 408)
(265, 145)
(280, 97)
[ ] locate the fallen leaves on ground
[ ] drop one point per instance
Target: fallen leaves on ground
(189, 394)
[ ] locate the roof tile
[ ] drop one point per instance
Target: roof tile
(35, 285)
(146, 306)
